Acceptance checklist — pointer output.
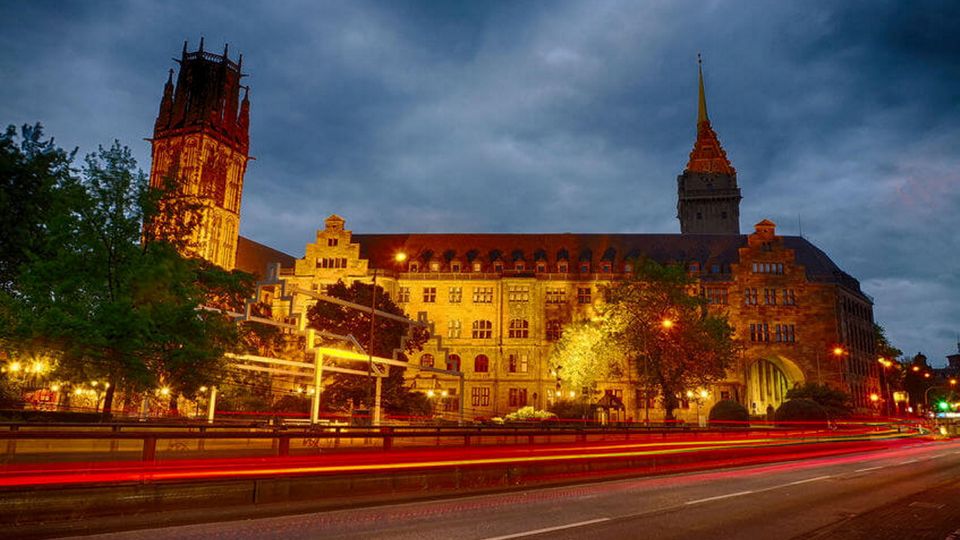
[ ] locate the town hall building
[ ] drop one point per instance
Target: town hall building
(497, 303)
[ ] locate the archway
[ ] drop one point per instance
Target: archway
(768, 380)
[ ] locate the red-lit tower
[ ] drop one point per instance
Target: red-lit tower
(201, 143)
(708, 199)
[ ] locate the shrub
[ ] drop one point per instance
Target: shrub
(801, 410)
(729, 413)
(835, 402)
(528, 413)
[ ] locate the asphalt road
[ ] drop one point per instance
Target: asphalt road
(907, 492)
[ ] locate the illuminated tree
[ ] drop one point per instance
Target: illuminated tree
(664, 326)
(584, 355)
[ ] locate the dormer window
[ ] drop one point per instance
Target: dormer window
(414, 267)
(628, 268)
(434, 266)
(541, 267)
(693, 268)
(562, 267)
(584, 267)
(476, 267)
(519, 266)
(498, 267)
(455, 267)
(606, 268)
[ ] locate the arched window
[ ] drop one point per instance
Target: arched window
(426, 360)
(453, 362)
(481, 364)
(482, 329)
(519, 328)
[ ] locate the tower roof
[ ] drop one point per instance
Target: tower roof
(707, 155)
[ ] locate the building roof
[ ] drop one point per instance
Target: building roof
(706, 249)
(254, 257)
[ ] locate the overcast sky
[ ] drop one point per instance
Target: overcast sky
(550, 117)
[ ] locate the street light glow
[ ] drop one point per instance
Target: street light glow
(666, 323)
(838, 351)
(400, 257)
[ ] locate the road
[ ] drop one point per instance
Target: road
(906, 492)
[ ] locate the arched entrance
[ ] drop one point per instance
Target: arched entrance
(768, 380)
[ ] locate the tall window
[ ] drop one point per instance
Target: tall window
(519, 328)
(453, 328)
(426, 360)
(429, 295)
(556, 295)
(481, 364)
(518, 293)
(785, 333)
(331, 242)
(518, 397)
(770, 297)
(517, 363)
(760, 332)
(541, 267)
(456, 295)
(482, 329)
(453, 362)
(404, 295)
(554, 330)
(563, 267)
(483, 295)
(789, 297)
(716, 295)
(750, 297)
(767, 268)
(583, 295)
(480, 396)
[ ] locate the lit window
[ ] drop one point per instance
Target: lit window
(414, 267)
(518, 293)
(480, 397)
(404, 295)
(483, 295)
(426, 360)
(517, 363)
(434, 266)
(456, 295)
(556, 295)
(476, 267)
(453, 328)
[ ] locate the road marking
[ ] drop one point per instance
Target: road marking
(907, 461)
(718, 497)
(548, 529)
(868, 469)
(937, 456)
(807, 480)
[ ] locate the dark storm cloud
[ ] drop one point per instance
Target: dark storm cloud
(523, 116)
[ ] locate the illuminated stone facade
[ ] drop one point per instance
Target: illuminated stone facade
(497, 303)
(200, 143)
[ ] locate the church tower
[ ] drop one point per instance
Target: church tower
(200, 151)
(708, 199)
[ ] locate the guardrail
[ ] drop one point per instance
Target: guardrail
(385, 438)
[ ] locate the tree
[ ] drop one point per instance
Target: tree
(585, 355)
(661, 324)
(884, 348)
(32, 170)
(344, 391)
(117, 309)
(835, 402)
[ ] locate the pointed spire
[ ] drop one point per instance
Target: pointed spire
(184, 54)
(170, 77)
(226, 48)
(240, 65)
(702, 105)
(201, 44)
(707, 155)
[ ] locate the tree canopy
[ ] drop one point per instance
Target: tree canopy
(344, 391)
(664, 326)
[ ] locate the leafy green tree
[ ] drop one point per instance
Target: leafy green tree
(835, 402)
(692, 348)
(115, 308)
(345, 390)
(32, 170)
